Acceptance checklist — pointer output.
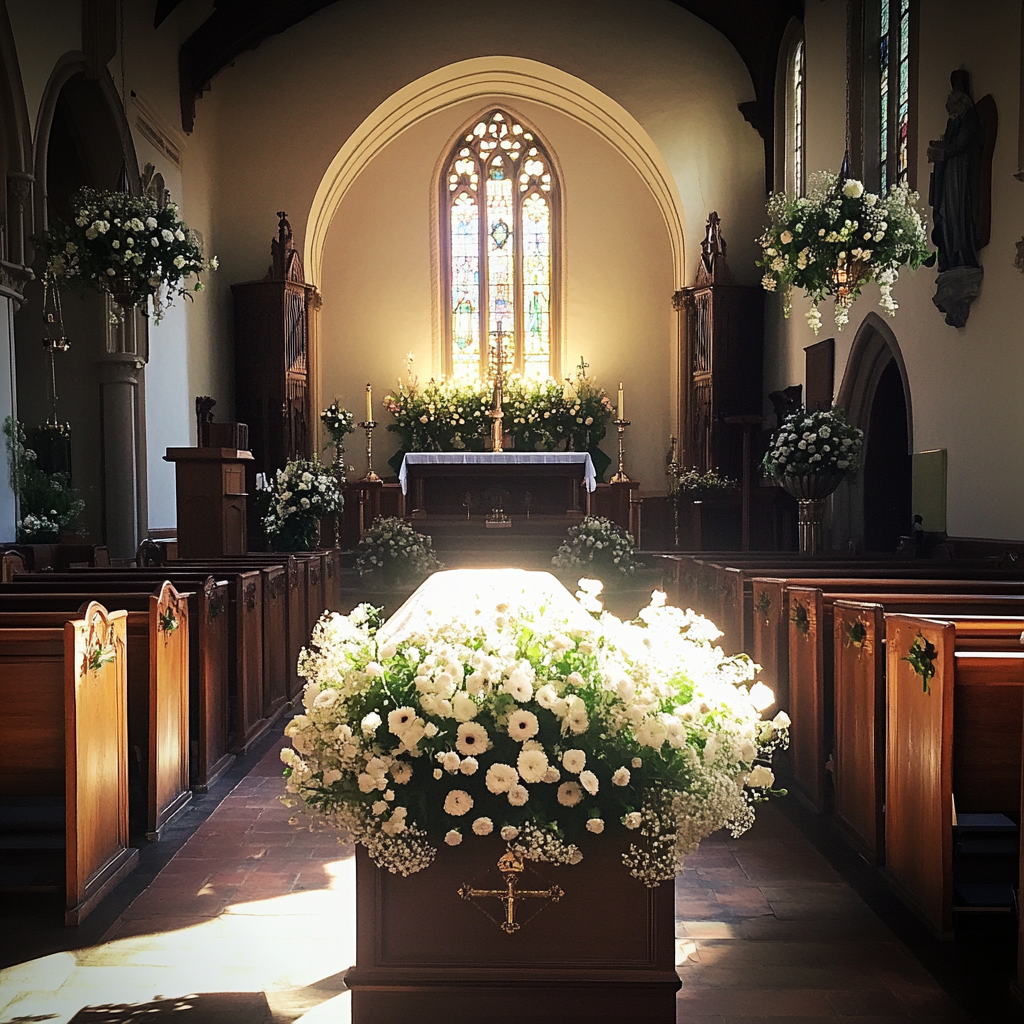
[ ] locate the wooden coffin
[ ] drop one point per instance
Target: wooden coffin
(604, 952)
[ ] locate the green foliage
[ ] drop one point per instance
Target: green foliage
(921, 657)
(47, 505)
(800, 618)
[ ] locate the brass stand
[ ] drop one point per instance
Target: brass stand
(368, 426)
(620, 477)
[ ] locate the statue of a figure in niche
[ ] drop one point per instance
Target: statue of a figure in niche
(955, 195)
(954, 190)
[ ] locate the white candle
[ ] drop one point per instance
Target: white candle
(621, 415)
(369, 404)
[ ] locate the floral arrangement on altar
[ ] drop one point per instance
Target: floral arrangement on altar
(132, 247)
(338, 423)
(300, 495)
(838, 238)
(545, 725)
(395, 552)
(47, 503)
(450, 416)
(814, 444)
(597, 543)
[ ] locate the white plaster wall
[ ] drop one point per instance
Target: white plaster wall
(378, 269)
(966, 385)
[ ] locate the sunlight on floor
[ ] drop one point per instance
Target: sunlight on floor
(294, 948)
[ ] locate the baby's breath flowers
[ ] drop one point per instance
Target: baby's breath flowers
(539, 723)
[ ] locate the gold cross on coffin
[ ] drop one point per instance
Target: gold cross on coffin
(511, 866)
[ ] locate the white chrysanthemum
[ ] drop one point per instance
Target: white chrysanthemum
(637, 762)
(483, 826)
(595, 825)
(518, 795)
(469, 766)
(546, 695)
(632, 820)
(574, 761)
(522, 725)
(453, 837)
(450, 761)
(501, 778)
(457, 803)
(401, 772)
(761, 777)
(551, 775)
(472, 738)
(532, 765)
(576, 720)
(588, 780)
(621, 777)
(569, 794)
(401, 719)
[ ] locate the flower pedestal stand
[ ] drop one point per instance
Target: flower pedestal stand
(810, 493)
(604, 952)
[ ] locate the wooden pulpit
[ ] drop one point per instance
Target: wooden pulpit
(210, 493)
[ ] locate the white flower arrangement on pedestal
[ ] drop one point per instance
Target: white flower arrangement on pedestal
(818, 443)
(836, 239)
(393, 551)
(545, 725)
(302, 494)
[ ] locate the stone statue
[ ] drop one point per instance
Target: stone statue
(954, 195)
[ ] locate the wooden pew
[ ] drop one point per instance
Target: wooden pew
(959, 735)
(208, 651)
(771, 607)
(158, 695)
(811, 632)
(64, 748)
(245, 629)
(860, 697)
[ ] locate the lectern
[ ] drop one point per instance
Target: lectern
(210, 492)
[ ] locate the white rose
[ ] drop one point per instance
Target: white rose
(501, 778)
(469, 766)
(463, 707)
(761, 777)
(509, 832)
(450, 761)
(621, 777)
(518, 795)
(632, 820)
(595, 825)
(588, 780)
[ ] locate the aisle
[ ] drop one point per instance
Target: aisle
(252, 923)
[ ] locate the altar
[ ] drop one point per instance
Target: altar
(546, 483)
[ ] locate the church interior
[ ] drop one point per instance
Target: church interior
(307, 301)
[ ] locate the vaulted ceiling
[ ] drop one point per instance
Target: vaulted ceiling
(754, 27)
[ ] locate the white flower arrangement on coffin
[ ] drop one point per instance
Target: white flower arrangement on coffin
(532, 719)
(131, 247)
(838, 238)
(597, 543)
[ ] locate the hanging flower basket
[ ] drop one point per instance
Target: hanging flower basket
(838, 238)
(131, 247)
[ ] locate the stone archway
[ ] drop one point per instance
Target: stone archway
(875, 392)
(83, 138)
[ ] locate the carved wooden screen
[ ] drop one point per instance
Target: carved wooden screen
(700, 370)
(500, 250)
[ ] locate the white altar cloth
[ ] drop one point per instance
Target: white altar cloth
(499, 459)
(459, 594)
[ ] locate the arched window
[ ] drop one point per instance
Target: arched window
(500, 251)
(791, 112)
(893, 93)
(797, 107)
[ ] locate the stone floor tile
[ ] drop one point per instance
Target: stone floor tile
(858, 1003)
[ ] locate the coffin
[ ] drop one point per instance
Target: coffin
(605, 951)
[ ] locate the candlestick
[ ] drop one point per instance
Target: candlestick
(369, 403)
(339, 476)
(620, 414)
(368, 426)
(621, 424)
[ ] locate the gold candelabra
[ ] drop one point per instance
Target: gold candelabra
(368, 426)
(620, 477)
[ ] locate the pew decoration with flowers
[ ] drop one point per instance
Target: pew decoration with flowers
(837, 239)
(553, 730)
(133, 248)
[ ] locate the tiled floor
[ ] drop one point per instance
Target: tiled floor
(251, 922)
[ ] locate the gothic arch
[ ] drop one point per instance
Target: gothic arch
(874, 367)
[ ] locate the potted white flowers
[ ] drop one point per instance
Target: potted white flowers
(299, 496)
(506, 718)
(131, 247)
(393, 553)
(838, 238)
(809, 456)
(597, 545)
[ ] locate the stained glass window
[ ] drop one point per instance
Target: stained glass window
(498, 202)
(894, 74)
(798, 119)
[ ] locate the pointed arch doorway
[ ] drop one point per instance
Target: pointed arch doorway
(876, 509)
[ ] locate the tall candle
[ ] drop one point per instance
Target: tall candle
(621, 415)
(369, 404)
